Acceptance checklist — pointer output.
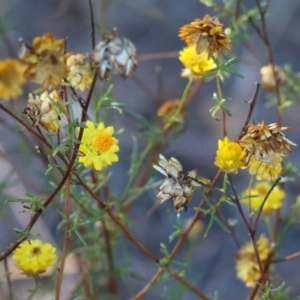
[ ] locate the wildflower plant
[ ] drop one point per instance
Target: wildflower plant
(89, 175)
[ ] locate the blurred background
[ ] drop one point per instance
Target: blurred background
(153, 25)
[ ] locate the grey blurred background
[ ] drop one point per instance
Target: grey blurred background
(153, 27)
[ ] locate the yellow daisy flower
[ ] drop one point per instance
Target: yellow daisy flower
(81, 73)
(46, 61)
(246, 264)
(11, 78)
(195, 64)
(255, 197)
(33, 257)
(229, 156)
(98, 147)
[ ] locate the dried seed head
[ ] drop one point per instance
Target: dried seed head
(263, 140)
(114, 55)
(207, 34)
(43, 112)
(176, 185)
(268, 80)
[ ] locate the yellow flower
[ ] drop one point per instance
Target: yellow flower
(98, 147)
(11, 78)
(33, 257)
(46, 61)
(81, 73)
(43, 112)
(229, 156)
(246, 264)
(255, 197)
(195, 64)
(268, 168)
(208, 35)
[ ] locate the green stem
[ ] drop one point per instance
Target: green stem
(181, 104)
(220, 96)
(36, 287)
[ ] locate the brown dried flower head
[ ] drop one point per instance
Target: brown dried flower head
(268, 80)
(207, 34)
(261, 141)
(168, 109)
(176, 186)
(114, 55)
(46, 61)
(43, 112)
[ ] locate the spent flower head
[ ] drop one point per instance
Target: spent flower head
(33, 257)
(81, 73)
(114, 55)
(261, 140)
(11, 79)
(46, 61)
(246, 263)
(229, 156)
(255, 197)
(207, 34)
(43, 112)
(176, 186)
(195, 64)
(98, 146)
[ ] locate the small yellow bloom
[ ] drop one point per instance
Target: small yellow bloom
(11, 78)
(98, 147)
(268, 168)
(255, 197)
(33, 257)
(46, 61)
(229, 156)
(43, 112)
(81, 73)
(246, 264)
(195, 64)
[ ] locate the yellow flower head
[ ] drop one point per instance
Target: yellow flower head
(254, 197)
(246, 264)
(11, 78)
(98, 147)
(33, 257)
(195, 64)
(81, 73)
(207, 34)
(268, 167)
(46, 61)
(43, 112)
(229, 156)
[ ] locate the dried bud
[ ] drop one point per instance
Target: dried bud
(176, 185)
(268, 80)
(43, 112)
(114, 55)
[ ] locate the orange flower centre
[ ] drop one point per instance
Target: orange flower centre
(103, 142)
(36, 251)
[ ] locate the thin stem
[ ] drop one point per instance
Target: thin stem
(66, 241)
(286, 258)
(220, 96)
(92, 24)
(112, 284)
(7, 275)
(144, 290)
(36, 287)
